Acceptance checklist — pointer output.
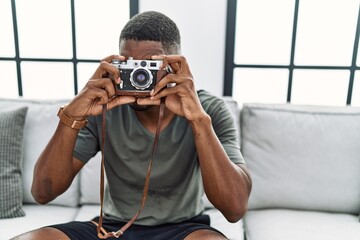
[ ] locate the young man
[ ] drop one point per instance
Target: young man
(197, 150)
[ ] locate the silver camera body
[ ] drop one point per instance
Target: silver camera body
(138, 76)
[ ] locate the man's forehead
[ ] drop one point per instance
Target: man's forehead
(140, 49)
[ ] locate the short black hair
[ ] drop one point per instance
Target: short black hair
(153, 26)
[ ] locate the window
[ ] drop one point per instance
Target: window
(49, 49)
(298, 51)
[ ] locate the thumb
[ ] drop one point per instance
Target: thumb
(147, 101)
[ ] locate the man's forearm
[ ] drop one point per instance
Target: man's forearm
(227, 185)
(54, 170)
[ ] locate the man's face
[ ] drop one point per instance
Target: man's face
(140, 50)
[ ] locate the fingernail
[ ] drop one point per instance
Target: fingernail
(152, 92)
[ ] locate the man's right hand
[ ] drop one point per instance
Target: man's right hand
(99, 90)
(56, 167)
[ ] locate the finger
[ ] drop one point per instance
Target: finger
(101, 72)
(178, 63)
(169, 81)
(98, 94)
(111, 57)
(120, 100)
(103, 83)
(165, 92)
(158, 57)
(106, 70)
(148, 101)
(169, 78)
(174, 66)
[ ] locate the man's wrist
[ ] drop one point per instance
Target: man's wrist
(70, 122)
(203, 120)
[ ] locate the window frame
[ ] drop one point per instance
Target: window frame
(134, 9)
(230, 64)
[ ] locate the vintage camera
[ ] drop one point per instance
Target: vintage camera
(138, 76)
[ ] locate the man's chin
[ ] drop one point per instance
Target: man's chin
(138, 107)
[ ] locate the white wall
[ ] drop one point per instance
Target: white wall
(202, 25)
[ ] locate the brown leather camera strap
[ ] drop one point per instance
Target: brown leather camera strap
(102, 233)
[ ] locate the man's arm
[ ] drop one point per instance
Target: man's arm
(226, 184)
(56, 167)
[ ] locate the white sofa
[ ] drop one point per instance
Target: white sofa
(305, 166)
(81, 201)
(304, 162)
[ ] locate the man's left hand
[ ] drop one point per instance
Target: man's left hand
(182, 98)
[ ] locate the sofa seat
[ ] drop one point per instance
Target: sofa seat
(233, 231)
(299, 157)
(81, 201)
(36, 216)
(275, 224)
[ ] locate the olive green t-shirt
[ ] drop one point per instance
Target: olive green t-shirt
(175, 186)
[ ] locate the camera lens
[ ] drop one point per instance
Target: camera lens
(141, 78)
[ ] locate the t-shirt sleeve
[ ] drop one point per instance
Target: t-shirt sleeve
(87, 142)
(224, 126)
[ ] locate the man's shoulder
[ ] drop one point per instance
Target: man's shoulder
(205, 94)
(208, 100)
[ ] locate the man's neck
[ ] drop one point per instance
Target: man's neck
(149, 118)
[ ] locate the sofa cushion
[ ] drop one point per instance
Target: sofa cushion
(40, 124)
(234, 110)
(90, 181)
(282, 224)
(11, 146)
(37, 216)
(303, 157)
(233, 231)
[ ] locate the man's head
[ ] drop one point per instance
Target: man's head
(152, 26)
(147, 34)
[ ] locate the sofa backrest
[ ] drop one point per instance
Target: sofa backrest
(40, 124)
(302, 157)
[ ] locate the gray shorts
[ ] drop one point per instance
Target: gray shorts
(170, 231)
